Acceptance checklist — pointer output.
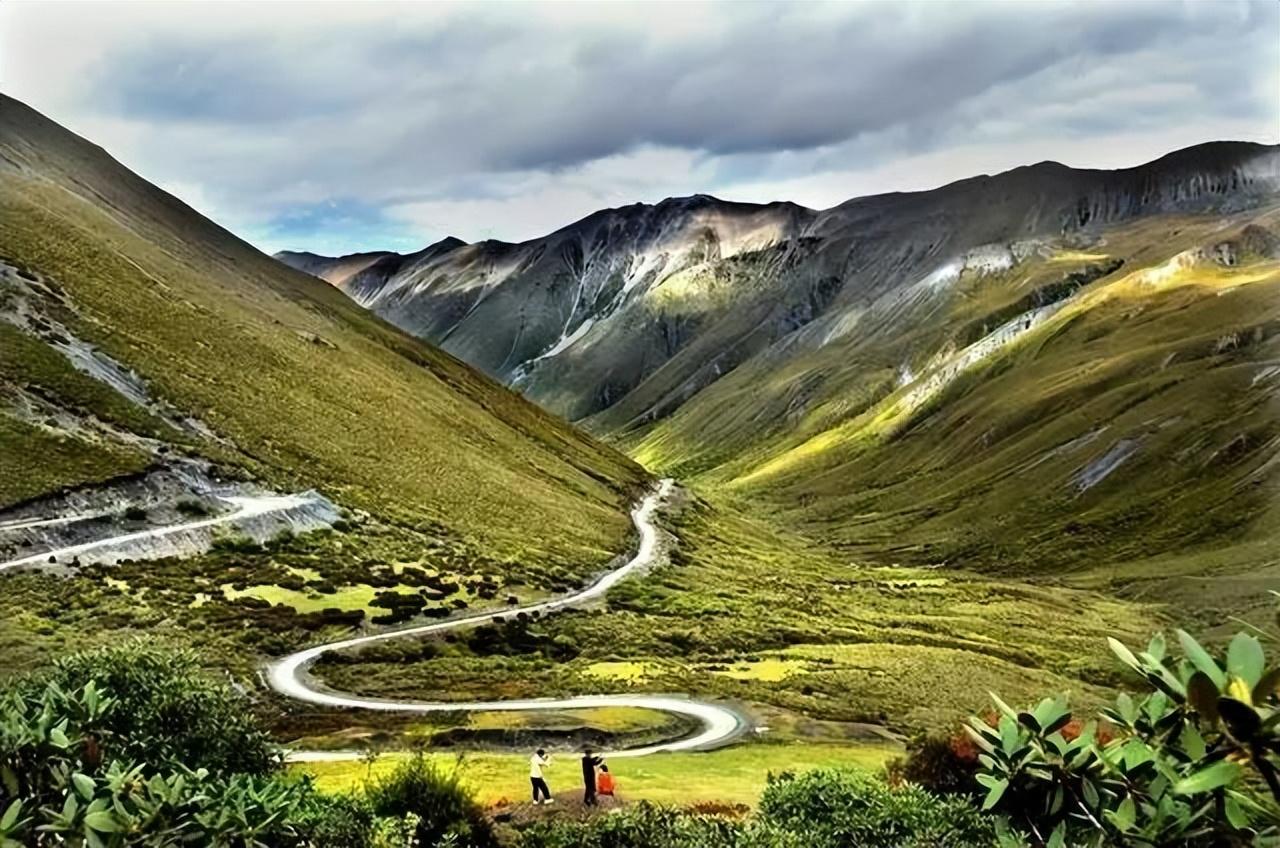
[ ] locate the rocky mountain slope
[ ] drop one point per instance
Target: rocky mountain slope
(133, 332)
(1044, 370)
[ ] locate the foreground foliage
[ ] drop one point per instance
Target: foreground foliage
(132, 745)
(829, 808)
(1180, 765)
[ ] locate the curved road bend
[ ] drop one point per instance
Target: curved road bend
(288, 675)
(245, 506)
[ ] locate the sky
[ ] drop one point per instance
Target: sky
(337, 127)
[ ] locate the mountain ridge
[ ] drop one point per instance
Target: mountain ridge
(114, 293)
(539, 313)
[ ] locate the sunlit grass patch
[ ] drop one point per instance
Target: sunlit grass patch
(735, 775)
(770, 670)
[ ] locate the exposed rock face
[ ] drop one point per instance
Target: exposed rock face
(629, 312)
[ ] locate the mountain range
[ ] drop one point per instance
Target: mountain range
(1043, 370)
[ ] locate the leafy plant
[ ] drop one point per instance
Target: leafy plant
(168, 710)
(1177, 765)
(56, 787)
(444, 808)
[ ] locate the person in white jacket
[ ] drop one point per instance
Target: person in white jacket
(537, 763)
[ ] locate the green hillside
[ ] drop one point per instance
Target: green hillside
(1129, 440)
(297, 386)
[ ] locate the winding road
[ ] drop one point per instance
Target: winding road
(720, 724)
(243, 507)
(289, 676)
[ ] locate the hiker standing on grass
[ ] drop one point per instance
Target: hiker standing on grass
(589, 764)
(537, 763)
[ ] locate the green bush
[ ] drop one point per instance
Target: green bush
(833, 808)
(167, 709)
(642, 826)
(444, 808)
(192, 508)
(59, 786)
(943, 764)
(1179, 765)
(338, 821)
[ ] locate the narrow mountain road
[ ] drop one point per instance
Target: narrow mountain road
(244, 506)
(719, 723)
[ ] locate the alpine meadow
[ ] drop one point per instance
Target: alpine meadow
(770, 447)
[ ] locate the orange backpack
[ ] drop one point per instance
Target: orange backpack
(604, 783)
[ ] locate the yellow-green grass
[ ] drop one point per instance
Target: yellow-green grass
(308, 389)
(734, 775)
(36, 460)
(770, 670)
(359, 596)
(633, 672)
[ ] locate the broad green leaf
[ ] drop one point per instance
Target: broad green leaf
(1124, 815)
(1245, 659)
(101, 821)
(996, 787)
(84, 785)
(1221, 773)
(1200, 658)
(1236, 815)
(1058, 839)
(1126, 656)
(1004, 708)
(1192, 742)
(11, 813)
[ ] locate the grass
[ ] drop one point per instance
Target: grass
(307, 389)
(903, 647)
(734, 775)
(631, 672)
(37, 460)
(1169, 352)
(357, 597)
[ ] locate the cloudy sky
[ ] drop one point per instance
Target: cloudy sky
(338, 127)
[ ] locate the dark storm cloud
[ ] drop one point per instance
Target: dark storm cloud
(483, 95)
(451, 110)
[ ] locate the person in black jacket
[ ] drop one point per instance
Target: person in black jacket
(589, 763)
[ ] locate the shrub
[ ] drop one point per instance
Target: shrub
(338, 821)
(832, 808)
(167, 709)
(444, 807)
(945, 764)
(62, 783)
(642, 826)
(1171, 768)
(135, 513)
(192, 508)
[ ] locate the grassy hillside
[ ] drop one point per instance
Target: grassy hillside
(1128, 440)
(299, 387)
(797, 632)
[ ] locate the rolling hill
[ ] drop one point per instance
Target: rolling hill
(135, 333)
